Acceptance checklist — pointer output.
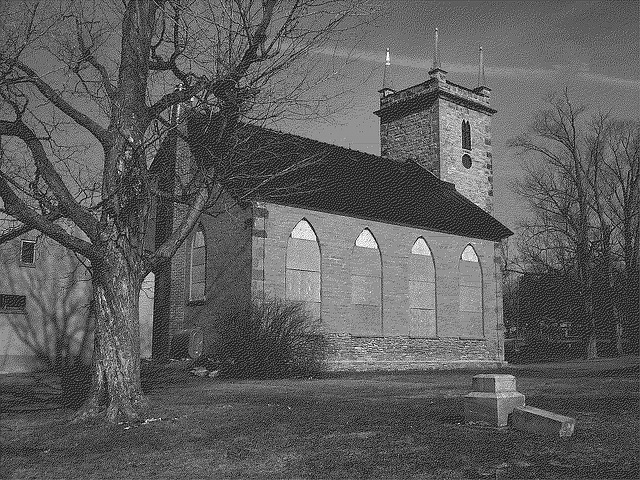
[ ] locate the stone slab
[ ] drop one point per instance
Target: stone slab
(536, 420)
(491, 408)
(493, 383)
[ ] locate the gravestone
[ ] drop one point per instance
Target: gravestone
(493, 398)
(536, 420)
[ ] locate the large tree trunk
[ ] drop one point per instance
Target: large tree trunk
(116, 390)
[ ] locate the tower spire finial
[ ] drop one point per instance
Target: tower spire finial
(481, 80)
(436, 71)
(387, 83)
(436, 54)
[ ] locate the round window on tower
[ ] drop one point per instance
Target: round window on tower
(466, 161)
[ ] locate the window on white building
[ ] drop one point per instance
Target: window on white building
(28, 253)
(13, 303)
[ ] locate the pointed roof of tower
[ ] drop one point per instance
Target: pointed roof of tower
(481, 89)
(436, 54)
(437, 71)
(481, 80)
(387, 78)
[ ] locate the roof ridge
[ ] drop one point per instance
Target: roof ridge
(309, 139)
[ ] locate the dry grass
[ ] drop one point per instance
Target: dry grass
(387, 426)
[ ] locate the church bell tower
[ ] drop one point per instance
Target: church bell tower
(444, 127)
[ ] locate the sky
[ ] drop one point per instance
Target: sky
(530, 49)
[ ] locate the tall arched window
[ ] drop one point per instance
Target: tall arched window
(422, 291)
(366, 286)
(198, 262)
(302, 277)
(466, 135)
(470, 271)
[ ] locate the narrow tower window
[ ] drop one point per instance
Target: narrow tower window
(466, 135)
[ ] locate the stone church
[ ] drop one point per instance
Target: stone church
(396, 254)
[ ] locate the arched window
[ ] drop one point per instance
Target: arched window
(198, 265)
(470, 272)
(422, 291)
(366, 286)
(466, 135)
(302, 277)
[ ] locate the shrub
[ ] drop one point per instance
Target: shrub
(273, 338)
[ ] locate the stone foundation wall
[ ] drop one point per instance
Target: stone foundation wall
(349, 352)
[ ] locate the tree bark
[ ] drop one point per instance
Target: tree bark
(116, 391)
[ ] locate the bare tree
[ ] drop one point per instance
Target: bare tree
(614, 148)
(87, 95)
(581, 183)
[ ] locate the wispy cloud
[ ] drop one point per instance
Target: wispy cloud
(544, 74)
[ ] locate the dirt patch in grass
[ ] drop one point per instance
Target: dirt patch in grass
(387, 426)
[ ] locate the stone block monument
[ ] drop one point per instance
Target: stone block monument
(493, 398)
(536, 420)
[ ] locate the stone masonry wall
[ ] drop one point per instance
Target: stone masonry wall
(497, 256)
(406, 353)
(394, 348)
(475, 183)
(228, 270)
(413, 137)
(179, 260)
(260, 215)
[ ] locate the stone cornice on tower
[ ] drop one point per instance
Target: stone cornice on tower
(417, 97)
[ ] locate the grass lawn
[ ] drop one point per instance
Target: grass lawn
(373, 425)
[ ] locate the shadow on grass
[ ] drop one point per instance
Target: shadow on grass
(65, 387)
(69, 386)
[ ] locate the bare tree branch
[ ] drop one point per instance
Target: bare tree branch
(56, 99)
(81, 217)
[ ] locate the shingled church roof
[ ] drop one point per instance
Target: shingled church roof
(291, 170)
